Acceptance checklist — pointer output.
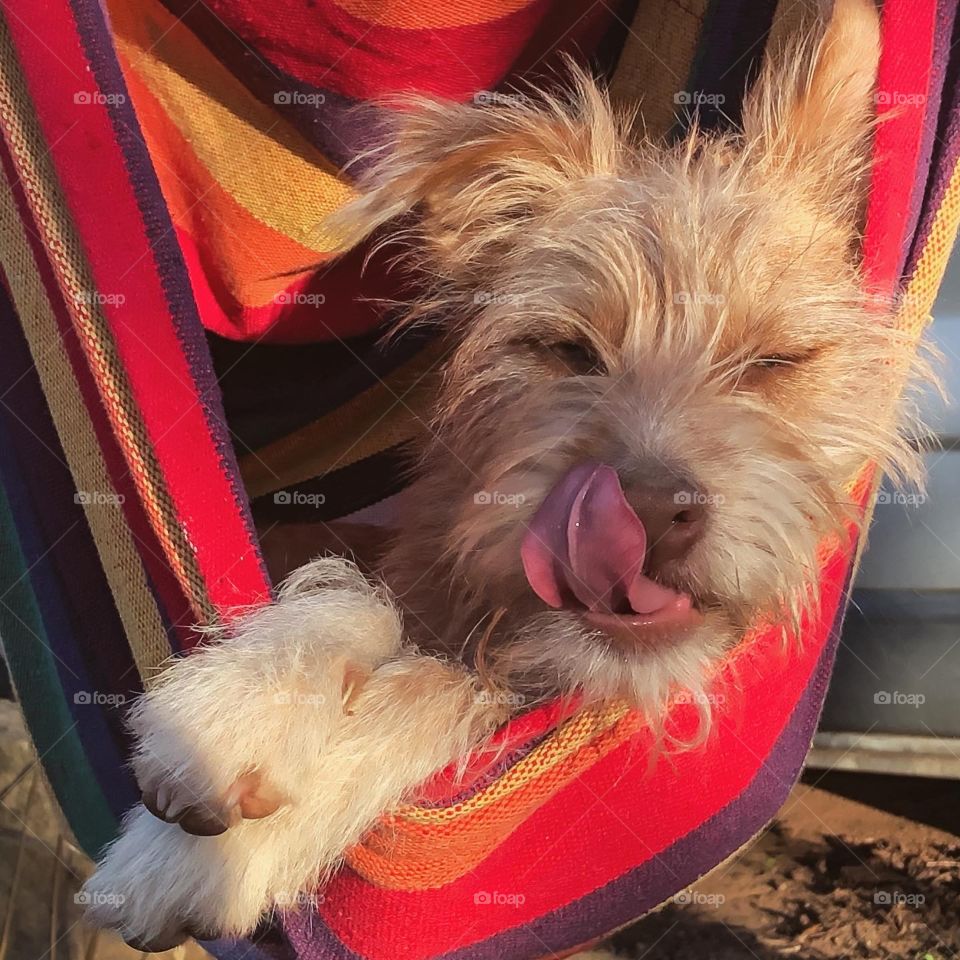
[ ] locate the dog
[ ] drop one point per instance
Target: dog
(661, 373)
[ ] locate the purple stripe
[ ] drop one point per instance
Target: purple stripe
(162, 243)
(729, 52)
(340, 127)
(247, 950)
(945, 148)
(310, 938)
(939, 94)
(303, 936)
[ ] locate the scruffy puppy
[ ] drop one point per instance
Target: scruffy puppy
(661, 374)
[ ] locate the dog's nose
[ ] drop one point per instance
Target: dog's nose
(674, 518)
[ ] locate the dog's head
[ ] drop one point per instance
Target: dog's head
(664, 370)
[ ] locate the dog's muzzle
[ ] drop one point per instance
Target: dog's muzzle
(586, 550)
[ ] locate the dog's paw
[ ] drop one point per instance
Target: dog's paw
(157, 886)
(234, 731)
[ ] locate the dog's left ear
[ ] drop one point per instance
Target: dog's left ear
(811, 114)
(472, 172)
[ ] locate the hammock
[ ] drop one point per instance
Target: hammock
(165, 167)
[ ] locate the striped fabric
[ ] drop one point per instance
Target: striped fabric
(165, 166)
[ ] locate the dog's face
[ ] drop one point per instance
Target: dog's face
(663, 368)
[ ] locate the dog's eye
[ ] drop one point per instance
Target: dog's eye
(771, 367)
(577, 357)
(774, 360)
(580, 358)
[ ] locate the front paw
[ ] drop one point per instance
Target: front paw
(234, 730)
(157, 886)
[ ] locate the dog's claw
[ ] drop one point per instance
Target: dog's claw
(168, 939)
(199, 818)
(250, 797)
(159, 944)
(205, 822)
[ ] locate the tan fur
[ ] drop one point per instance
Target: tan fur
(721, 340)
(681, 270)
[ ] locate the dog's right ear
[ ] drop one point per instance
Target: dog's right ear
(811, 115)
(471, 174)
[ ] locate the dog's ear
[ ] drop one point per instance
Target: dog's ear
(811, 114)
(471, 173)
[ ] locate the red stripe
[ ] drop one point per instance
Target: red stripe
(322, 45)
(100, 196)
(903, 85)
(326, 304)
(173, 603)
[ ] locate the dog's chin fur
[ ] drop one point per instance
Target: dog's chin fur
(557, 652)
(692, 316)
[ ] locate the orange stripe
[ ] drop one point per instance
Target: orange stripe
(256, 156)
(244, 258)
(420, 15)
(419, 848)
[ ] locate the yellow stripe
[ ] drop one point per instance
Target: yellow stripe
(417, 15)
(914, 314)
(566, 741)
(655, 61)
(922, 289)
(255, 155)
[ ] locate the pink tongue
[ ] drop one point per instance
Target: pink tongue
(585, 547)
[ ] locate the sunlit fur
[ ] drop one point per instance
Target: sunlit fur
(722, 341)
(718, 284)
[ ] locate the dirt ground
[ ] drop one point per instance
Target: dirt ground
(832, 879)
(41, 870)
